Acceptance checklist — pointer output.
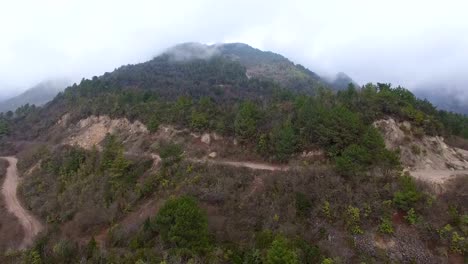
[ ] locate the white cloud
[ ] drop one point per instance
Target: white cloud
(403, 42)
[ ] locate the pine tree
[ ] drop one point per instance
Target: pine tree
(280, 253)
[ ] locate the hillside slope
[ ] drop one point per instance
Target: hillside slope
(228, 154)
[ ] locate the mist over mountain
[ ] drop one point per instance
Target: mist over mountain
(258, 63)
(36, 95)
(229, 154)
(445, 97)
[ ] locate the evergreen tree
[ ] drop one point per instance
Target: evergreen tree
(183, 225)
(285, 141)
(281, 253)
(246, 121)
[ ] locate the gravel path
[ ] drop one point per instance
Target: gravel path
(30, 224)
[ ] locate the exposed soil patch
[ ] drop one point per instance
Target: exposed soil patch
(91, 131)
(425, 157)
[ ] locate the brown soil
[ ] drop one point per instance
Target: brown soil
(31, 225)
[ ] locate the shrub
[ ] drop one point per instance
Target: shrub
(263, 239)
(326, 210)
(199, 121)
(182, 224)
(32, 257)
(309, 254)
(281, 253)
(285, 141)
(386, 226)
(353, 220)
(408, 194)
(415, 149)
(411, 216)
(457, 243)
(353, 160)
(245, 124)
(153, 124)
(170, 153)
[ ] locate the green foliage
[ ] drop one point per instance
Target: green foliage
(411, 216)
(326, 211)
(91, 248)
(263, 145)
(170, 153)
(113, 149)
(4, 127)
(337, 128)
(32, 257)
(199, 121)
(353, 160)
(263, 239)
(458, 244)
(64, 251)
(353, 220)
(303, 205)
(386, 226)
(183, 225)
(153, 123)
(246, 121)
(281, 253)
(308, 254)
(407, 195)
(328, 261)
(285, 141)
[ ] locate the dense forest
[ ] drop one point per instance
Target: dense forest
(356, 191)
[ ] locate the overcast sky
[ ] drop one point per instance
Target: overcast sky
(402, 42)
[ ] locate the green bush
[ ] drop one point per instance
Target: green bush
(183, 225)
(281, 253)
(411, 216)
(170, 153)
(386, 226)
(353, 220)
(285, 141)
(353, 160)
(246, 121)
(408, 194)
(153, 124)
(4, 128)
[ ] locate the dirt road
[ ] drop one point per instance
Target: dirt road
(243, 164)
(30, 224)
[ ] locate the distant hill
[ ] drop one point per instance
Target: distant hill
(37, 95)
(449, 99)
(341, 81)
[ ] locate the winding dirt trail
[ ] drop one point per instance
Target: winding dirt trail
(30, 224)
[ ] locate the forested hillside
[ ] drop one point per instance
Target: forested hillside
(350, 203)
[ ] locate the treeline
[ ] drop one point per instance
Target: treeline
(275, 122)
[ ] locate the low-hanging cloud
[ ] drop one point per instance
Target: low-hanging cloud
(191, 51)
(411, 43)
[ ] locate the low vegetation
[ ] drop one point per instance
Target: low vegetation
(209, 213)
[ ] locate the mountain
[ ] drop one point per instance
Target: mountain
(341, 81)
(446, 98)
(258, 64)
(229, 154)
(37, 95)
